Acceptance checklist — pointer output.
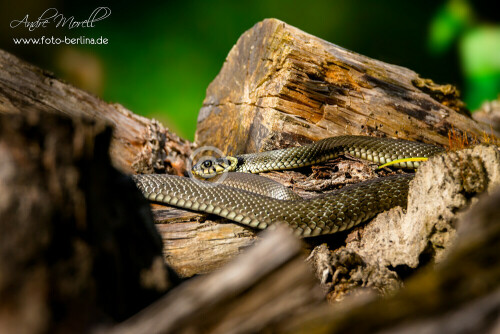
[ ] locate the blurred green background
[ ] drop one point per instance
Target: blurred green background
(161, 56)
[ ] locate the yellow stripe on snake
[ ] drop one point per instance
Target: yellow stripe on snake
(259, 202)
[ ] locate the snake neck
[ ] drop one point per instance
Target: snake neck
(290, 158)
(377, 150)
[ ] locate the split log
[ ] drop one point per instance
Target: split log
(198, 243)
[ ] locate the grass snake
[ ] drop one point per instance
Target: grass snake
(259, 202)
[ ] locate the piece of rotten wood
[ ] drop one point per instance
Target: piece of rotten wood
(138, 144)
(280, 86)
(257, 290)
(460, 295)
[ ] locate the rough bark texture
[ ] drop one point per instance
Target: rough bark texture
(266, 284)
(138, 144)
(67, 260)
(280, 86)
(379, 255)
(444, 186)
(460, 295)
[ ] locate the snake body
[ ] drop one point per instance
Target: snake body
(329, 213)
(378, 150)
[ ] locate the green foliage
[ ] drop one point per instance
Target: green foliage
(479, 49)
(480, 52)
(448, 24)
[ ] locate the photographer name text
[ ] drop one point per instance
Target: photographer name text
(52, 16)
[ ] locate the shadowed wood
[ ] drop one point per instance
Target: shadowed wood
(245, 296)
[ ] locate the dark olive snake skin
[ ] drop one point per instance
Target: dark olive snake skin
(378, 150)
(325, 214)
(257, 184)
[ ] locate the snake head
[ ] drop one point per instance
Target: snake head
(211, 167)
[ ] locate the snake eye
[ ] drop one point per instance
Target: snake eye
(207, 164)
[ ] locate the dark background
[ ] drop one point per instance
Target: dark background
(162, 56)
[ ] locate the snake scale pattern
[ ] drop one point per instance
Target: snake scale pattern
(378, 150)
(248, 202)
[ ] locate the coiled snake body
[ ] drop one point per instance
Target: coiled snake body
(246, 200)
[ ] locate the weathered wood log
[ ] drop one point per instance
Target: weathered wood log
(77, 242)
(269, 282)
(196, 243)
(280, 87)
(138, 144)
(460, 295)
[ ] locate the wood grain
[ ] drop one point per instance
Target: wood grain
(281, 86)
